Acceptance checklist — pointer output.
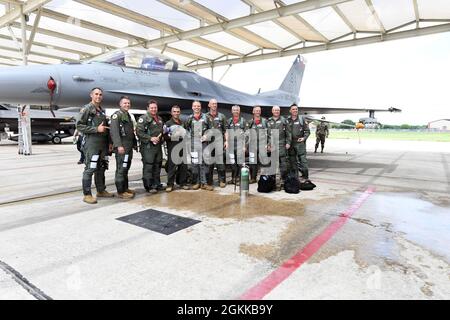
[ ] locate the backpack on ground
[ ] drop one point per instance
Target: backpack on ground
(307, 185)
(292, 184)
(266, 184)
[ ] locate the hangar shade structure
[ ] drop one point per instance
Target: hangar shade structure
(207, 33)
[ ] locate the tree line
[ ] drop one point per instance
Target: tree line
(382, 126)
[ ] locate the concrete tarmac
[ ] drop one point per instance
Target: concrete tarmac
(376, 227)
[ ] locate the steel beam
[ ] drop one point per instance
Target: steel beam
(416, 13)
(269, 15)
(146, 21)
(375, 15)
(39, 54)
(112, 32)
(331, 46)
(13, 2)
(23, 23)
(33, 31)
(18, 60)
(13, 36)
(213, 17)
(55, 34)
(87, 25)
(8, 64)
(254, 9)
(344, 18)
(50, 46)
(26, 8)
(306, 23)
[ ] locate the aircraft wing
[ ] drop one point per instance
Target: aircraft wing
(333, 110)
(311, 119)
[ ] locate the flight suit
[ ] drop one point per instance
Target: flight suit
(122, 135)
(197, 128)
(95, 147)
(174, 170)
(285, 137)
(148, 127)
(261, 133)
(321, 133)
(297, 152)
(239, 128)
(220, 123)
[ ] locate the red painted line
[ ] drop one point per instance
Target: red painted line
(288, 267)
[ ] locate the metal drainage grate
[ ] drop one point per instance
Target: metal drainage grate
(158, 221)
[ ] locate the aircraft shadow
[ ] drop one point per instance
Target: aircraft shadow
(328, 163)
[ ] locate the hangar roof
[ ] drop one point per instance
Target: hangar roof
(207, 33)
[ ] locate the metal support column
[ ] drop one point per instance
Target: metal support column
(25, 141)
(24, 119)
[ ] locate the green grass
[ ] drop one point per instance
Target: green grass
(390, 135)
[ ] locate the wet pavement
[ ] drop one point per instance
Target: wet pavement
(395, 245)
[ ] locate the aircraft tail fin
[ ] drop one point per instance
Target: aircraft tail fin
(293, 80)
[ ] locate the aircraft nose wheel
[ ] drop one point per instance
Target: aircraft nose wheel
(56, 140)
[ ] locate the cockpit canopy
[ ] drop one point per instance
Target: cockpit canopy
(140, 58)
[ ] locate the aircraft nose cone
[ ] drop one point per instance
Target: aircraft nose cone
(26, 84)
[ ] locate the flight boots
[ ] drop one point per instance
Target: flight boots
(89, 199)
(125, 195)
(104, 194)
(207, 187)
(196, 186)
(222, 179)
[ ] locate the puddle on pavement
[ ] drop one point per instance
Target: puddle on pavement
(373, 229)
(371, 232)
(307, 219)
(226, 206)
(442, 200)
(372, 235)
(419, 221)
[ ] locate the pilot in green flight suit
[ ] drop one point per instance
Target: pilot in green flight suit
(197, 125)
(278, 122)
(322, 133)
(297, 152)
(220, 123)
(92, 122)
(124, 140)
(259, 124)
(150, 129)
(173, 135)
(237, 126)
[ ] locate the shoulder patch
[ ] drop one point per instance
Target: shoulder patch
(141, 120)
(114, 116)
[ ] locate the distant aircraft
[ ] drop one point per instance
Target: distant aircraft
(143, 74)
(370, 123)
(43, 124)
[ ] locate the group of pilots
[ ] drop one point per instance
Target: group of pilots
(120, 133)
